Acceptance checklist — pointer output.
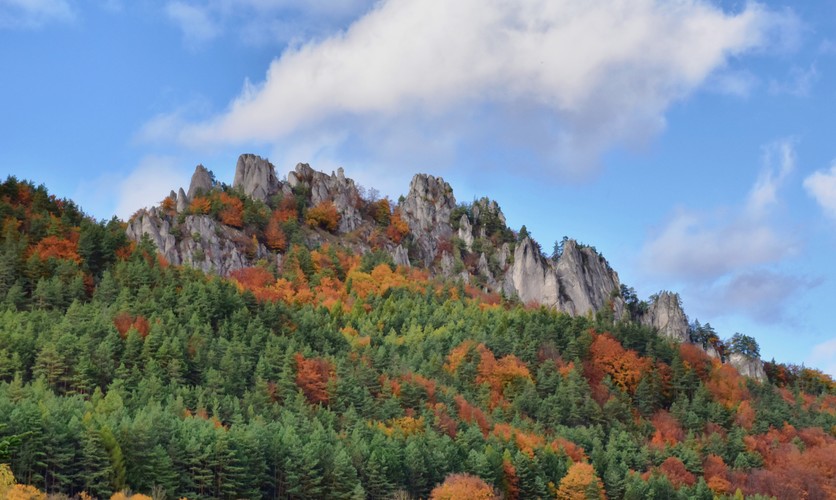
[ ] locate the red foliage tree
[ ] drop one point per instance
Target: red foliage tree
(608, 357)
(668, 431)
(677, 474)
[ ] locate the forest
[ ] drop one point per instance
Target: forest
(344, 376)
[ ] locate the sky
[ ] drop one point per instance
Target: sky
(689, 141)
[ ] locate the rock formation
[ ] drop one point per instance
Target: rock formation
(665, 314)
(256, 177)
(580, 282)
(427, 210)
(748, 367)
(336, 188)
(202, 181)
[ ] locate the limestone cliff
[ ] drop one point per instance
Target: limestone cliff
(748, 367)
(579, 282)
(665, 314)
(427, 210)
(256, 177)
(336, 188)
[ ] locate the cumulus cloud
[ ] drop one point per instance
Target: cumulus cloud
(27, 14)
(147, 184)
(596, 74)
(821, 186)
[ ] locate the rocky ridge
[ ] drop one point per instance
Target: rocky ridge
(470, 242)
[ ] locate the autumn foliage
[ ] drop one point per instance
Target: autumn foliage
(324, 215)
(232, 211)
(575, 485)
(463, 486)
(58, 248)
(313, 376)
(125, 321)
(607, 357)
(274, 234)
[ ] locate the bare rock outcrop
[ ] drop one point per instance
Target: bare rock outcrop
(426, 210)
(202, 181)
(203, 243)
(465, 232)
(579, 283)
(400, 256)
(748, 367)
(148, 221)
(665, 314)
(256, 177)
(336, 188)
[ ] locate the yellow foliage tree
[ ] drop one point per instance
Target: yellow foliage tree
(579, 483)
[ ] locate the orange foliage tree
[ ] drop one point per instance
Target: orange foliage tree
(313, 376)
(200, 205)
(58, 248)
(124, 322)
(324, 215)
(579, 482)
(607, 357)
(274, 234)
(461, 486)
(398, 228)
(232, 211)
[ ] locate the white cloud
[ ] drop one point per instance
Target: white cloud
(821, 186)
(30, 14)
(597, 73)
(758, 293)
(798, 83)
(823, 357)
(764, 193)
(195, 22)
(703, 246)
(260, 21)
(150, 182)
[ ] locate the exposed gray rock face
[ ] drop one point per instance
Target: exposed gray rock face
(748, 367)
(336, 188)
(427, 210)
(158, 229)
(580, 282)
(204, 244)
(502, 256)
(182, 201)
(665, 314)
(485, 271)
(202, 181)
(256, 177)
(466, 232)
(400, 256)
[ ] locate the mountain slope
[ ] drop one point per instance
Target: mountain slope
(340, 375)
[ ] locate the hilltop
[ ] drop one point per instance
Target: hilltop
(304, 339)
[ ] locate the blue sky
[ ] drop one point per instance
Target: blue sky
(690, 141)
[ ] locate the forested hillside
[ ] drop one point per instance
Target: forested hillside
(333, 373)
